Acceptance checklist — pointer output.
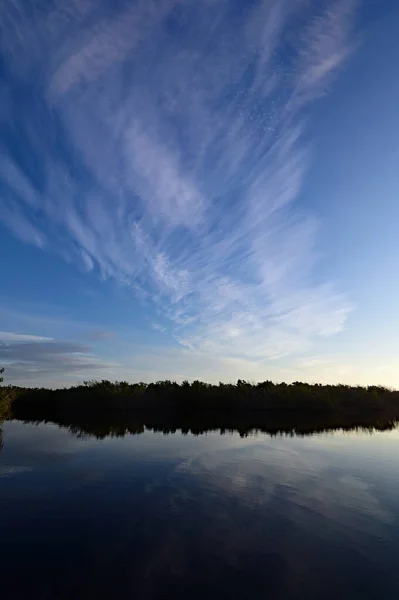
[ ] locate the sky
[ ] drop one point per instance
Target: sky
(203, 189)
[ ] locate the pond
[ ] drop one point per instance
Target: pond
(208, 516)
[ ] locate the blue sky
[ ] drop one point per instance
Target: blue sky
(199, 190)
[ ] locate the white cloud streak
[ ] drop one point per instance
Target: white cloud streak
(171, 145)
(8, 336)
(29, 359)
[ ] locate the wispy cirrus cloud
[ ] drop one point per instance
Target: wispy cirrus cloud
(170, 150)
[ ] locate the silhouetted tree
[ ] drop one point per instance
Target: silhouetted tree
(243, 405)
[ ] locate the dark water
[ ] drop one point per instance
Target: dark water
(212, 516)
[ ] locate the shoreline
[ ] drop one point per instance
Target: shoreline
(105, 408)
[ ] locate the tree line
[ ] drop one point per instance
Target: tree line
(195, 397)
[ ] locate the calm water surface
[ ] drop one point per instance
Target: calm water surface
(214, 516)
